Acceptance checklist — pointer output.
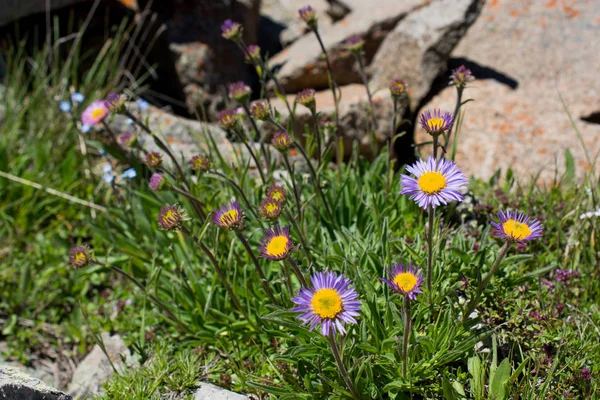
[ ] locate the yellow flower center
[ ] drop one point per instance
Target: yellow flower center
(271, 207)
(516, 230)
(277, 195)
(277, 246)
(435, 124)
(327, 303)
(79, 257)
(98, 113)
(432, 182)
(406, 281)
(229, 217)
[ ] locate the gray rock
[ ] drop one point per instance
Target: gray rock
(95, 368)
(194, 63)
(13, 10)
(526, 56)
(17, 385)
(418, 48)
(302, 64)
(208, 391)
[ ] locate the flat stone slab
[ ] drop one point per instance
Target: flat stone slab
(17, 385)
(208, 391)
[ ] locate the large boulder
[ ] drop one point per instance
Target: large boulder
(95, 368)
(302, 64)
(525, 56)
(15, 384)
(418, 48)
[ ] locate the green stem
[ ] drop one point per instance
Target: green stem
(297, 271)
(303, 240)
(430, 223)
(258, 136)
(390, 143)
(261, 273)
(407, 331)
(318, 134)
(341, 367)
(244, 140)
(236, 187)
(459, 91)
(294, 187)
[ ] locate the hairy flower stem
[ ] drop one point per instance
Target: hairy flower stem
(407, 331)
(258, 135)
(244, 140)
(342, 369)
(297, 271)
(294, 186)
(318, 135)
(237, 188)
(110, 132)
(336, 100)
(363, 75)
(430, 222)
(459, 93)
(390, 143)
(200, 205)
(221, 275)
(485, 282)
(154, 299)
(303, 240)
(261, 273)
(162, 146)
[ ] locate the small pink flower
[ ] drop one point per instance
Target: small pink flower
(94, 113)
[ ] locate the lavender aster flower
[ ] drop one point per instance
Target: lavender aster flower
(406, 281)
(231, 30)
(154, 159)
(80, 256)
(332, 302)
(354, 44)
(517, 227)
(115, 102)
(437, 123)
(229, 217)
(398, 87)
(434, 183)
(228, 119)
(253, 54)
(156, 182)
(277, 192)
(240, 92)
(270, 209)
(282, 141)
(461, 76)
(94, 113)
(307, 98)
(200, 163)
(276, 243)
(309, 16)
(171, 218)
(261, 110)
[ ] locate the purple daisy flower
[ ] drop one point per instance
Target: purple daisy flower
(270, 209)
(252, 53)
(354, 43)
(276, 243)
(200, 163)
(282, 141)
(517, 227)
(127, 139)
(239, 91)
(308, 15)
(437, 123)
(398, 87)
(406, 281)
(277, 192)
(332, 302)
(94, 113)
(434, 183)
(461, 76)
(231, 30)
(261, 110)
(228, 119)
(306, 97)
(80, 256)
(154, 159)
(171, 218)
(230, 216)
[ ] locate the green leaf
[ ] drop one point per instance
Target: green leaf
(499, 380)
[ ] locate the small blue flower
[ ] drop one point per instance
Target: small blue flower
(65, 106)
(129, 173)
(129, 121)
(102, 152)
(85, 128)
(142, 104)
(108, 177)
(77, 97)
(106, 168)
